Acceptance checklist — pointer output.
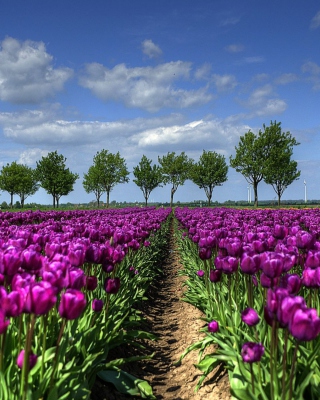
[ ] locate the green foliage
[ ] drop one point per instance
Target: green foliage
(107, 171)
(175, 170)
(266, 156)
(249, 160)
(147, 177)
(210, 171)
(279, 169)
(54, 177)
(18, 179)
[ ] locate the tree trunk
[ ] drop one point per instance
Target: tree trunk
(57, 203)
(171, 197)
(255, 189)
(279, 199)
(98, 201)
(54, 201)
(146, 203)
(108, 196)
(11, 201)
(22, 201)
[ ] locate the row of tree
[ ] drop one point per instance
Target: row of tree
(266, 156)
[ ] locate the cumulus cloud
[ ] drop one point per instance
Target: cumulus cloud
(203, 72)
(284, 79)
(261, 102)
(30, 156)
(150, 49)
(234, 48)
(149, 88)
(224, 82)
(216, 134)
(27, 74)
(254, 59)
(315, 22)
(41, 127)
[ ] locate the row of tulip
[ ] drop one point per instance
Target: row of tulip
(69, 286)
(255, 274)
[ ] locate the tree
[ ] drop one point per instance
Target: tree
(249, 160)
(18, 179)
(92, 184)
(261, 157)
(54, 177)
(109, 170)
(28, 184)
(210, 171)
(279, 169)
(175, 170)
(147, 177)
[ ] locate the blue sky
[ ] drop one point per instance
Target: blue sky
(148, 77)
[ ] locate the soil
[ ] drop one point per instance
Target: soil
(177, 324)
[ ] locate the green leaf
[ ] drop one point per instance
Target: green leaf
(127, 383)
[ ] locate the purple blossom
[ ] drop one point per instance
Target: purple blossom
(250, 317)
(112, 285)
(32, 360)
(97, 305)
(72, 304)
(304, 324)
(213, 326)
(252, 352)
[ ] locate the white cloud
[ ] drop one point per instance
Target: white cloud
(254, 59)
(41, 127)
(313, 70)
(217, 134)
(230, 21)
(30, 156)
(203, 72)
(149, 88)
(150, 49)
(261, 103)
(27, 74)
(284, 79)
(234, 48)
(315, 22)
(224, 82)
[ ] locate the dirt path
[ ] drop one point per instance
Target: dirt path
(177, 325)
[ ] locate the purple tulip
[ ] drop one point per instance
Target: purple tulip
(91, 282)
(112, 285)
(215, 275)
(305, 240)
(213, 326)
(146, 243)
(250, 317)
(200, 273)
(41, 297)
(249, 263)
(287, 308)
(312, 260)
(205, 253)
(267, 282)
(32, 360)
(305, 324)
(291, 282)
(311, 278)
(272, 264)
(280, 231)
(97, 305)
(3, 322)
(77, 278)
(72, 303)
(31, 259)
(252, 352)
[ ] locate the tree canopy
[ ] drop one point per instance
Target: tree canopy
(107, 171)
(18, 179)
(147, 177)
(210, 171)
(92, 184)
(55, 177)
(279, 169)
(264, 156)
(175, 170)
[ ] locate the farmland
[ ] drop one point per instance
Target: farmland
(81, 292)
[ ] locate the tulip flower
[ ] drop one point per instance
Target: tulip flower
(72, 303)
(250, 317)
(91, 282)
(305, 324)
(112, 285)
(252, 352)
(200, 273)
(97, 305)
(215, 275)
(213, 326)
(32, 360)
(40, 298)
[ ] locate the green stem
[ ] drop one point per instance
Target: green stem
(252, 378)
(3, 341)
(55, 362)
(293, 367)
(284, 364)
(44, 343)
(25, 368)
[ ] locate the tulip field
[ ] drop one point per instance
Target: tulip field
(72, 282)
